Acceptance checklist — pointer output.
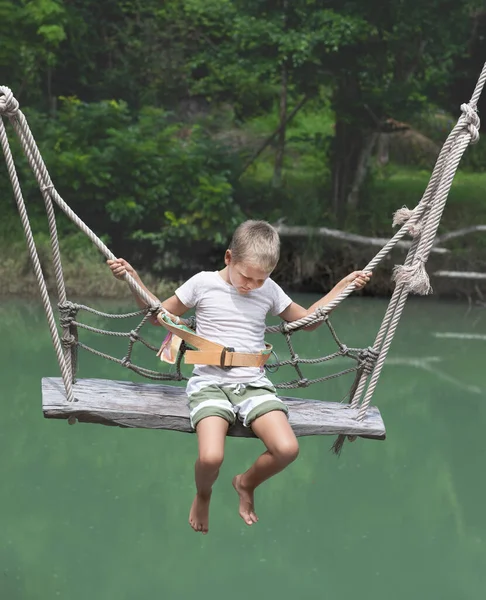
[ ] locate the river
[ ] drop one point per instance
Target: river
(100, 513)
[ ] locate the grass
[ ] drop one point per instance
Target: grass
(86, 273)
(303, 199)
(399, 186)
(84, 269)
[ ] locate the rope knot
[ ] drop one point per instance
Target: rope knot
(134, 337)
(368, 358)
(402, 216)
(344, 349)
(471, 117)
(126, 362)
(304, 382)
(8, 104)
(67, 313)
(294, 360)
(68, 339)
(414, 277)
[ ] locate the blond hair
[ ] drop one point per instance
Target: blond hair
(256, 242)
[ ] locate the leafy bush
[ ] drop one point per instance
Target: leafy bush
(147, 184)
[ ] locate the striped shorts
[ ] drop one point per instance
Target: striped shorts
(240, 400)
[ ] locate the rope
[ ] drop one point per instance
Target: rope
(37, 164)
(9, 106)
(422, 223)
(69, 310)
(412, 277)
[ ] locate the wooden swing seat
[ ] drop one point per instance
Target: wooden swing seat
(158, 406)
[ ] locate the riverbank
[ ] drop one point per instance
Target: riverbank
(308, 264)
(85, 272)
(300, 270)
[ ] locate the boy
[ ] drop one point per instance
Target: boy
(231, 306)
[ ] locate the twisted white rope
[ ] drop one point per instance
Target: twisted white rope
(9, 108)
(412, 277)
(422, 222)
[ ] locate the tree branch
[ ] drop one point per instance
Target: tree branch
(459, 233)
(271, 137)
(460, 274)
(299, 231)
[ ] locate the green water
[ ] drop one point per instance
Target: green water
(92, 512)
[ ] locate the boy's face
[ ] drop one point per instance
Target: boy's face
(245, 277)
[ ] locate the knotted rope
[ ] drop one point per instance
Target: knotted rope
(422, 223)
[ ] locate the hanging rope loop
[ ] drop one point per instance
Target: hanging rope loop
(8, 104)
(422, 222)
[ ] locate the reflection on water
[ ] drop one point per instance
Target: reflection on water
(97, 512)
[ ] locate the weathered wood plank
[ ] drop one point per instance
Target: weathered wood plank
(157, 406)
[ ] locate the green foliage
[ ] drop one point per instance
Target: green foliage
(398, 186)
(142, 182)
(195, 88)
(32, 32)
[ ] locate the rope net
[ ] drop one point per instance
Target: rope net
(361, 359)
(366, 363)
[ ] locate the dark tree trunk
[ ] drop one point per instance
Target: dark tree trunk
(280, 152)
(348, 167)
(361, 170)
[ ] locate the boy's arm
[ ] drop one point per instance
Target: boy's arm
(173, 305)
(294, 311)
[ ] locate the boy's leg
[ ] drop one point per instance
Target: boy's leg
(211, 436)
(276, 433)
(211, 414)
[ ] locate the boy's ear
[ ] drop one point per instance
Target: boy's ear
(227, 257)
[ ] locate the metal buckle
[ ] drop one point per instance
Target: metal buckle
(271, 368)
(223, 357)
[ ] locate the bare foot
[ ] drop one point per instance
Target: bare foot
(247, 508)
(199, 515)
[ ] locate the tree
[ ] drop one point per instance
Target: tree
(406, 49)
(380, 61)
(31, 33)
(274, 50)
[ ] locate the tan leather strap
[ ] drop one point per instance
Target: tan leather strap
(212, 353)
(192, 339)
(227, 358)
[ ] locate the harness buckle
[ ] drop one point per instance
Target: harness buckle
(223, 357)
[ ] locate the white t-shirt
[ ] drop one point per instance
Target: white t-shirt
(225, 316)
